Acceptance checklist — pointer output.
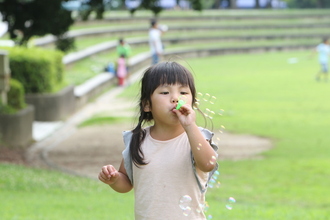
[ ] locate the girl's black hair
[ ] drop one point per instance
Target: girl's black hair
(169, 73)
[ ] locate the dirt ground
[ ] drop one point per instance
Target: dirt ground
(15, 156)
(89, 148)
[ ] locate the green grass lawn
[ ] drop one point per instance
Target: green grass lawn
(262, 94)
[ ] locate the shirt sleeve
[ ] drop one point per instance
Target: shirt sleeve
(127, 135)
(208, 135)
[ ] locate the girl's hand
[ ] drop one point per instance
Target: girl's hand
(186, 115)
(108, 175)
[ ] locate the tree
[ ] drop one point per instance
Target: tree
(268, 4)
(257, 4)
(308, 3)
(151, 5)
(217, 4)
(232, 4)
(93, 5)
(28, 18)
(196, 5)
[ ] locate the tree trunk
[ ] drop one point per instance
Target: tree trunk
(269, 4)
(232, 4)
(257, 4)
(320, 4)
(216, 4)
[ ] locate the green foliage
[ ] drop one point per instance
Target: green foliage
(15, 98)
(196, 5)
(65, 44)
(39, 70)
(16, 94)
(308, 3)
(151, 5)
(34, 18)
(84, 14)
(93, 5)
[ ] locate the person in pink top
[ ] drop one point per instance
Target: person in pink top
(121, 70)
(170, 161)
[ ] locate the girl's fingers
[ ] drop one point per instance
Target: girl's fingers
(105, 171)
(108, 170)
(101, 178)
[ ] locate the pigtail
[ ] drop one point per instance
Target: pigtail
(137, 138)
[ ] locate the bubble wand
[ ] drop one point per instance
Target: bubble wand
(180, 103)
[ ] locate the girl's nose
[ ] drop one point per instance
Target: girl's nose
(174, 100)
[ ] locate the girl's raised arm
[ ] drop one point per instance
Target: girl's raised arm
(203, 153)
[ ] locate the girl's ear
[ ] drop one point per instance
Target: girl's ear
(147, 107)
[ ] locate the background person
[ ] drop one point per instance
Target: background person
(155, 42)
(323, 51)
(123, 48)
(121, 70)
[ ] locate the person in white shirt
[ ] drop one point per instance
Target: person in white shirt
(323, 50)
(155, 42)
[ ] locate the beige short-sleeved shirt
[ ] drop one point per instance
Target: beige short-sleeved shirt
(166, 178)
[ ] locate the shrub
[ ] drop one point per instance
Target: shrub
(39, 70)
(65, 44)
(15, 97)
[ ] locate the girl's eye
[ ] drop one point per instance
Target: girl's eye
(164, 93)
(184, 93)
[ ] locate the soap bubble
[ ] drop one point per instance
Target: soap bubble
(200, 208)
(221, 111)
(184, 98)
(185, 202)
(213, 160)
(199, 96)
(209, 217)
(187, 211)
(206, 206)
(217, 184)
(222, 128)
(231, 201)
(211, 114)
(206, 97)
(214, 182)
(211, 183)
(213, 99)
(199, 146)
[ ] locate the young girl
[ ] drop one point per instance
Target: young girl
(121, 70)
(170, 162)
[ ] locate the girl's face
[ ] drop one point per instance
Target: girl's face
(164, 99)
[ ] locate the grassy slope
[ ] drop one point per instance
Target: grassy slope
(81, 71)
